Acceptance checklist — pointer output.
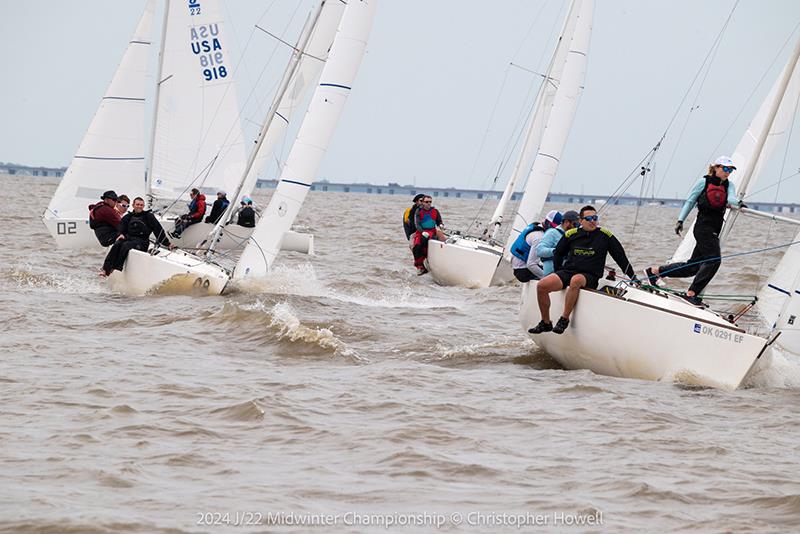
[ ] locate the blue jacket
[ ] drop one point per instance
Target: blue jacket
(547, 247)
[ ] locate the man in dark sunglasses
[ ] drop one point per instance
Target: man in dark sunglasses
(579, 260)
(713, 194)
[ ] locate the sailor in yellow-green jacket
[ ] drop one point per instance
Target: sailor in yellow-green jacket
(579, 261)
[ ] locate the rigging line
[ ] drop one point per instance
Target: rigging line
(702, 65)
(709, 55)
(619, 191)
(500, 94)
(753, 92)
(289, 44)
(728, 256)
(692, 108)
(770, 186)
(642, 191)
(206, 170)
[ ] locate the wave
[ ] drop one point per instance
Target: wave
(261, 322)
(301, 280)
(776, 369)
(24, 277)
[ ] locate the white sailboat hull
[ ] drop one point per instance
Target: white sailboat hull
(235, 236)
(76, 234)
(467, 262)
(646, 336)
(167, 272)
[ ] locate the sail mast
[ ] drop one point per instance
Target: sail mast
(294, 62)
(312, 140)
(559, 121)
(541, 111)
(159, 69)
(786, 77)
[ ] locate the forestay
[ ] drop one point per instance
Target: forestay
(312, 140)
(111, 154)
(197, 138)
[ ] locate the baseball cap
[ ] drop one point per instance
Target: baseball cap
(419, 197)
(553, 217)
(570, 215)
(724, 160)
(109, 194)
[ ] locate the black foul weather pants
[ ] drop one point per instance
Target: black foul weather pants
(704, 263)
(118, 253)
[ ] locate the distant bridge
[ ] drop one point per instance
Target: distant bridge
(558, 198)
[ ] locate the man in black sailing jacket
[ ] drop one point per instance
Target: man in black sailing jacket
(134, 232)
(579, 260)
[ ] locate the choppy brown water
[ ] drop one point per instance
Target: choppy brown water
(347, 384)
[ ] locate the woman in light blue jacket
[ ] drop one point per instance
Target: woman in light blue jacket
(551, 237)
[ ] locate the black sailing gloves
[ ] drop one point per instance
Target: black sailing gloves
(679, 227)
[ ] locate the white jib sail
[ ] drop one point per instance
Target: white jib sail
(111, 154)
(745, 150)
(541, 112)
(312, 139)
(779, 299)
(556, 131)
(197, 135)
(309, 67)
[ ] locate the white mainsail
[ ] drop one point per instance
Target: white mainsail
(745, 179)
(111, 154)
(558, 123)
(312, 140)
(197, 138)
(541, 113)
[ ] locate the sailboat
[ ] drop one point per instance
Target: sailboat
(177, 270)
(195, 139)
(661, 336)
(483, 260)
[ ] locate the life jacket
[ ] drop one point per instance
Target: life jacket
(247, 217)
(520, 248)
(137, 227)
(197, 207)
(427, 218)
(406, 214)
(714, 197)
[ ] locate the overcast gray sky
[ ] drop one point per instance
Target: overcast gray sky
(423, 108)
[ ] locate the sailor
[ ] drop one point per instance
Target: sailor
(547, 245)
(712, 194)
(428, 222)
(197, 208)
(408, 216)
(246, 216)
(134, 232)
(524, 257)
(218, 207)
(578, 260)
(123, 202)
(104, 218)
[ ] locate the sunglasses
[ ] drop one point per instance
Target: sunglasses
(427, 201)
(591, 218)
(725, 168)
(124, 205)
